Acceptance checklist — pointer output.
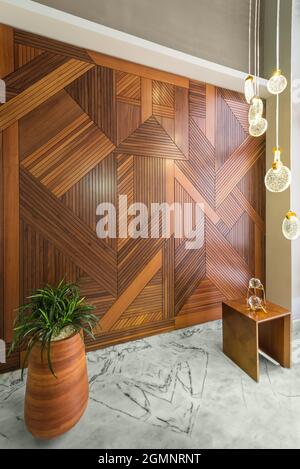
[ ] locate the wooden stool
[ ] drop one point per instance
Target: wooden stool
(246, 332)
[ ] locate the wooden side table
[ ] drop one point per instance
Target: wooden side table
(246, 332)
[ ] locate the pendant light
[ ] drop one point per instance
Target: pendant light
(278, 177)
(249, 88)
(259, 128)
(291, 226)
(257, 123)
(249, 85)
(277, 83)
(256, 110)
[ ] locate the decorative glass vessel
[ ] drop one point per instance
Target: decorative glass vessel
(259, 128)
(291, 226)
(256, 110)
(249, 88)
(256, 298)
(277, 83)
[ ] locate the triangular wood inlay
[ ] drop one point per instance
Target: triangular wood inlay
(150, 139)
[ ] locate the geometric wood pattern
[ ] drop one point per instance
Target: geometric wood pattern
(85, 128)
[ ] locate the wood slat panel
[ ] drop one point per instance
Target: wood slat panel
(127, 297)
(231, 133)
(195, 195)
(231, 273)
(93, 127)
(47, 123)
(36, 94)
(24, 54)
(200, 168)
(150, 301)
(125, 181)
(128, 120)
(197, 100)
(229, 175)
(136, 69)
(11, 226)
(150, 139)
(96, 187)
(53, 165)
(210, 123)
(128, 87)
(40, 209)
(6, 50)
(25, 38)
(42, 263)
(182, 120)
(238, 106)
(33, 71)
(146, 98)
(1, 241)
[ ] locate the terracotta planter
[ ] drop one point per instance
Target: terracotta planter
(54, 405)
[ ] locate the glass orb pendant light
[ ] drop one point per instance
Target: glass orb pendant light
(278, 178)
(277, 83)
(256, 110)
(259, 128)
(291, 226)
(249, 88)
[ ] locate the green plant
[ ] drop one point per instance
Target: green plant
(48, 312)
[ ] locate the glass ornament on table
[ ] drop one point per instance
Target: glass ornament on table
(256, 298)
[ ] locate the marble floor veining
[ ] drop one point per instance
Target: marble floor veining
(175, 390)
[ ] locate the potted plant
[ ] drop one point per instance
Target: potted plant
(50, 327)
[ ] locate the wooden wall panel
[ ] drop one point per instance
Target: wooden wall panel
(10, 142)
(84, 128)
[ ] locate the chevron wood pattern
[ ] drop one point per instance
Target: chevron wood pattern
(82, 128)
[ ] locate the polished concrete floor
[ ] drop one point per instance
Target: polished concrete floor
(175, 390)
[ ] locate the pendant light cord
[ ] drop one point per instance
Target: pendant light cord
(258, 46)
(277, 34)
(277, 121)
(277, 67)
(250, 37)
(255, 46)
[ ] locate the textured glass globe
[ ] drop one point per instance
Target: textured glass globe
(277, 83)
(249, 89)
(255, 283)
(254, 302)
(278, 178)
(259, 128)
(291, 226)
(255, 111)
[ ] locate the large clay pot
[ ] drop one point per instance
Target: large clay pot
(54, 405)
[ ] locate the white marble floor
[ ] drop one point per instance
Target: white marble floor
(175, 390)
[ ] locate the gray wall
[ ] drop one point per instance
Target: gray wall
(278, 249)
(295, 146)
(216, 30)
